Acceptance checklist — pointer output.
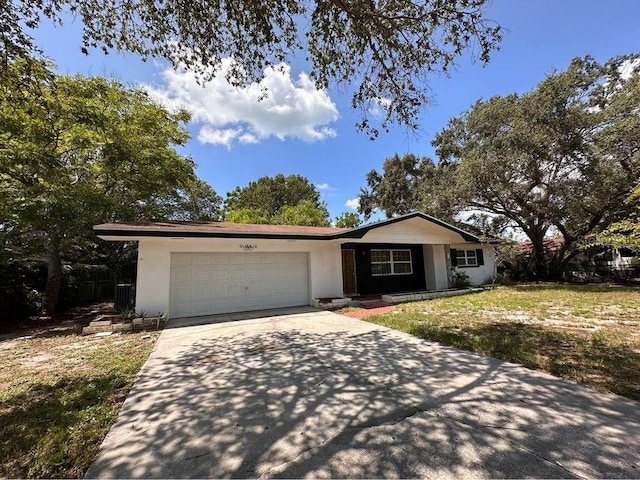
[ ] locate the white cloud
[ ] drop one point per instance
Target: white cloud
(323, 187)
(277, 106)
(353, 203)
(224, 136)
(379, 106)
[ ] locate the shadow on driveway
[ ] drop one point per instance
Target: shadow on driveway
(321, 395)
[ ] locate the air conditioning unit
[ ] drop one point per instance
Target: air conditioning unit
(125, 296)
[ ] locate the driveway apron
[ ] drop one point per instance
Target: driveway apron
(306, 393)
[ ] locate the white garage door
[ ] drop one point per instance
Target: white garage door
(208, 283)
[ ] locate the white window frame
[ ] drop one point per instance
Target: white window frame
(393, 262)
(465, 259)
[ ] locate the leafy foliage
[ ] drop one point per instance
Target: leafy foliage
(348, 220)
(78, 151)
(557, 159)
(248, 215)
(626, 232)
(409, 183)
(305, 213)
(291, 200)
(388, 49)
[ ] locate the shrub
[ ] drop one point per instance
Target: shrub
(460, 279)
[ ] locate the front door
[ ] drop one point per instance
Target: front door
(349, 271)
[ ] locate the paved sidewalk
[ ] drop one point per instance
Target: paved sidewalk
(306, 393)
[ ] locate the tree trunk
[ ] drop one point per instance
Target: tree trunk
(54, 278)
(539, 257)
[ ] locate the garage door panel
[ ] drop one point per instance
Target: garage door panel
(210, 283)
(219, 290)
(181, 293)
(181, 259)
(201, 274)
(182, 274)
(253, 258)
(182, 309)
(237, 259)
(220, 259)
(237, 275)
(199, 292)
(220, 273)
(236, 290)
(270, 273)
(271, 258)
(201, 259)
(255, 288)
(201, 307)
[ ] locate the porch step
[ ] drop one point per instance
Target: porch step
(416, 296)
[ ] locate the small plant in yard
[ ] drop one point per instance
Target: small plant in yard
(128, 312)
(460, 279)
(585, 333)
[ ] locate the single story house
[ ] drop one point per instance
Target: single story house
(190, 269)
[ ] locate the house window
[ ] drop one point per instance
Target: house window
(391, 262)
(466, 258)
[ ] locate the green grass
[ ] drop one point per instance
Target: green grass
(59, 395)
(588, 334)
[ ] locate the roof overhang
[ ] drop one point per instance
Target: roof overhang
(137, 231)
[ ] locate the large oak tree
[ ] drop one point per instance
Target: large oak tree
(385, 50)
(558, 160)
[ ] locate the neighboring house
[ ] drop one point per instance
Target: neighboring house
(190, 269)
(608, 260)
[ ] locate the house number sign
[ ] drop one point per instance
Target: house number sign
(247, 247)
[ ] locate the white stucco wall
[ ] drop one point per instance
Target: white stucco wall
(435, 267)
(412, 231)
(440, 267)
(483, 273)
(154, 265)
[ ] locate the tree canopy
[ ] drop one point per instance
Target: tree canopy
(348, 220)
(76, 151)
(408, 183)
(385, 50)
(291, 200)
(558, 160)
(625, 232)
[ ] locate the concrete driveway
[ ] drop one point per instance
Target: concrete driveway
(306, 393)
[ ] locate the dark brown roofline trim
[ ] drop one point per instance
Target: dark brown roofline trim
(183, 234)
(357, 232)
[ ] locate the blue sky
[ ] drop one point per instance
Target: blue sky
(321, 142)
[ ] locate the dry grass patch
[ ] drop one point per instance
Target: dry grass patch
(59, 395)
(589, 334)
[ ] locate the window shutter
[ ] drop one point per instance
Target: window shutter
(480, 256)
(454, 257)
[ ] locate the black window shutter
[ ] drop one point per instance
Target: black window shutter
(454, 257)
(480, 256)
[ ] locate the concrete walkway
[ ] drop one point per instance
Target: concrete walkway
(306, 393)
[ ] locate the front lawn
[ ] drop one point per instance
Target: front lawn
(59, 395)
(588, 334)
